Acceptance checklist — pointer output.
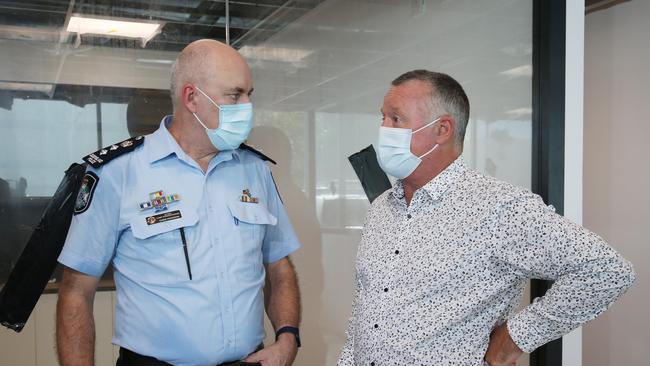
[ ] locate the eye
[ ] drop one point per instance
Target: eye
(234, 96)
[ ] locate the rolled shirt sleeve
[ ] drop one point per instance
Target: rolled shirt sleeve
(279, 240)
(589, 275)
(93, 234)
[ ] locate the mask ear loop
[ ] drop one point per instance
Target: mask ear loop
(430, 151)
(198, 119)
(210, 99)
(422, 128)
(425, 126)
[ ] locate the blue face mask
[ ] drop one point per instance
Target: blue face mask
(394, 150)
(235, 123)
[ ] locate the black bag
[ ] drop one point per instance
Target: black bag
(38, 260)
(372, 177)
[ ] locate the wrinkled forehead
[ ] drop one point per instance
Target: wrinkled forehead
(229, 73)
(408, 97)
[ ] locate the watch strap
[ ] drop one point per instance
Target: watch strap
(293, 330)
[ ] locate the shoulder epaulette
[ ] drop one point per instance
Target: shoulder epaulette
(259, 154)
(103, 156)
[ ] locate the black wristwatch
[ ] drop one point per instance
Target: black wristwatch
(293, 330)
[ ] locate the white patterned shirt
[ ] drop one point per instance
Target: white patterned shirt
(435, 277)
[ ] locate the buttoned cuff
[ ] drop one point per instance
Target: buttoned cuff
(530, 330)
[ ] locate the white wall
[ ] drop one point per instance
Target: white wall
(35, 345)
(573, 135)
(617, 171)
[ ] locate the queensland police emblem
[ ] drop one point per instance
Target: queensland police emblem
(85, 195)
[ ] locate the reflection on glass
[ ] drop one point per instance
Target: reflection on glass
(320, 71)
(76, 76)
(336, 62)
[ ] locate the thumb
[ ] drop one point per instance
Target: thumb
(255, 357)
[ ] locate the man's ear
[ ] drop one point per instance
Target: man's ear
(188, 97)
(446, 129)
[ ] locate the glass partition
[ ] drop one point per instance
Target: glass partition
(320, 71)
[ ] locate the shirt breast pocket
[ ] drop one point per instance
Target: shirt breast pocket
(250, 222)
(155, 254)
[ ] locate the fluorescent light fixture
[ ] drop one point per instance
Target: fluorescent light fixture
(520, 112)
(524, 70)
(275, 53)
(114, 27)
(154, 61)
(19, 86)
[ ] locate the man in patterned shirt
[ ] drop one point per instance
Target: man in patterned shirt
(446, 253)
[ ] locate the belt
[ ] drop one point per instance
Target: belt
(130, 358)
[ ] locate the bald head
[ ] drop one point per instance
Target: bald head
(203, 63)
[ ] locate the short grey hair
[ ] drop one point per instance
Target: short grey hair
(188, 68)
(446, 94)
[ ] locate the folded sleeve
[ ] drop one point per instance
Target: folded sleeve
(93, 234)
(280, 240)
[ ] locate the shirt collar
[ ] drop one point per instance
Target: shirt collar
(161, 144)
(437, 186)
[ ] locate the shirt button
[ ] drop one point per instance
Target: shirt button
(397, 252)
(376, 326)
(386, 290)
(408, 216)
(372, 364)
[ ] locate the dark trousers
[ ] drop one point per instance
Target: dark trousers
(130, 358)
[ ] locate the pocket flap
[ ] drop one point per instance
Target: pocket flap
(146, 225)
(252, 213)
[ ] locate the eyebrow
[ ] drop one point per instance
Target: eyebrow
(239, 90)
(395, 111)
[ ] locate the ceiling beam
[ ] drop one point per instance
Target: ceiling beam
(595, 5)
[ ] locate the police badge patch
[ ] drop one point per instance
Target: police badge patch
(85, 195)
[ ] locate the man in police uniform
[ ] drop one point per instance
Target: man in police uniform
(193, 225)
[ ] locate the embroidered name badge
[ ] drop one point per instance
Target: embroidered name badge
(246, 197)
(159, 201)
(165, 216)
(86, 191)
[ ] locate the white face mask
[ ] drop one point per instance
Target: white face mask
(394, 150)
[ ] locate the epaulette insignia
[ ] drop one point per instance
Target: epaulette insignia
(262, 156)
(103, 156)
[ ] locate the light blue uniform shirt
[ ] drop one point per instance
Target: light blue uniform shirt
(217, 316)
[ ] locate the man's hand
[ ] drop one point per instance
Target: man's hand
(502, 350)
(280, 353)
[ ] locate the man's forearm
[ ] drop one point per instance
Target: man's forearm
(283, 305)
(75, 330)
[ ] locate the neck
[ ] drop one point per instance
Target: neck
(192, 139)
(431, 166)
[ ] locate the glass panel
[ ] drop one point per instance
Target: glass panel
(66, 90)
(334, 64)
(320, 70)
